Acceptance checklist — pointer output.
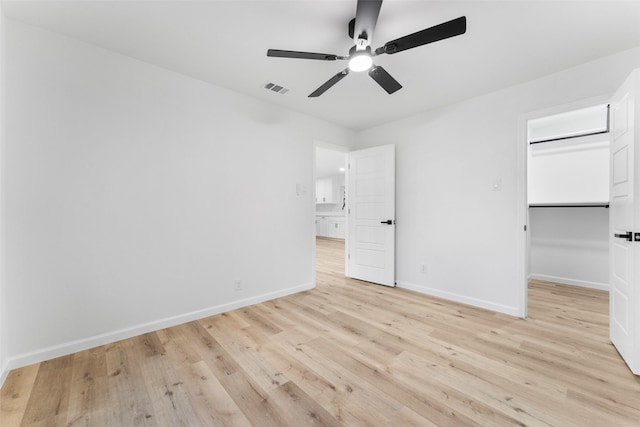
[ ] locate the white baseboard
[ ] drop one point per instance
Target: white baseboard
(4, 372)
(572, 282)
(109, 337)
(476, 302)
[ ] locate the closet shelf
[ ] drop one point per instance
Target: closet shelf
(570, 205)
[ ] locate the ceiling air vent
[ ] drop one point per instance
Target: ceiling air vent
(276, 88)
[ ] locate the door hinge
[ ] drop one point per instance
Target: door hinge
(525, 227)
(348, 256)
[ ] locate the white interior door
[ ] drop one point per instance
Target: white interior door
(624, 248)
(371, 215)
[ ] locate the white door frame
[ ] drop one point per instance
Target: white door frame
(524, 238)
(334, 147)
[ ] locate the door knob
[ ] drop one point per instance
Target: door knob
(626, 236)
(389, 221)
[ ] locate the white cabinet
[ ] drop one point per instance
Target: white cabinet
(330, 189)
(330, 226)
(324, 190)
(322, 226)
(336, 227)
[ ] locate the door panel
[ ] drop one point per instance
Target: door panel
(371, 201)
(370, 211)
(624, 266)
(620, 163)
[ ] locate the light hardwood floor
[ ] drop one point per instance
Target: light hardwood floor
(346, 353)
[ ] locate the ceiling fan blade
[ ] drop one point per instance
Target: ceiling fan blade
(333, 80)
(367, 12)
(301, 55)
(452, 28)
(384, 79)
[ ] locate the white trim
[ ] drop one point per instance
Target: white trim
(565, 108)
(476, 302)
(4, 372)
(522, 237)
(328, 146)
(3, 324)
(347, 213)
(109, 337)
(572, 282)
(312, 200)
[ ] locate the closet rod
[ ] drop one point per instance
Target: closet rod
(562, 138)
(569, 205)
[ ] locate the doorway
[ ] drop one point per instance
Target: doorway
(355, 203)
(566, 189)
(624, 188)
(330, 229)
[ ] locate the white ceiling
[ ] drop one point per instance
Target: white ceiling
(225, 43)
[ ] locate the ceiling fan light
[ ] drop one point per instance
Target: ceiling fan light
(360, 62)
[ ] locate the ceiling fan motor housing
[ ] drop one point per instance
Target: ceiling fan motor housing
(354, 49)
(362, 41)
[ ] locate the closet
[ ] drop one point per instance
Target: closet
(568, 196)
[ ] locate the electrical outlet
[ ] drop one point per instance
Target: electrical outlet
(237, 285)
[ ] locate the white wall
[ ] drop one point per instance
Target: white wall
(447, 163)
(135, 196)
(570, 245)
(569, 171)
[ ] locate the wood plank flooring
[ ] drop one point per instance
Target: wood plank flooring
(346, 353)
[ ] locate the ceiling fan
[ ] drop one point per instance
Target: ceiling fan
(360, 56)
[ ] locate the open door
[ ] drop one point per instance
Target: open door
(371, 215)
(624, 244)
